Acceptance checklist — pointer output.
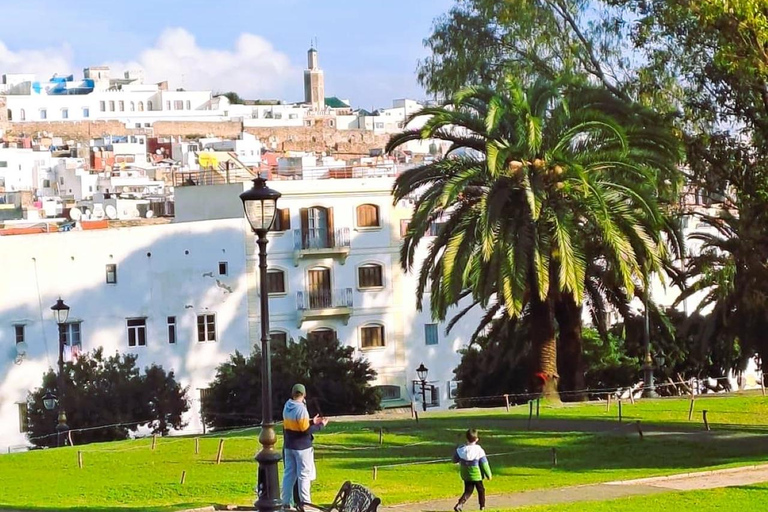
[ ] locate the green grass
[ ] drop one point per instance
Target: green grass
(746, 498)
(591, 447)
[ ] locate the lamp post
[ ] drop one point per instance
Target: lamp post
(60, 314)
(259, 204)
(422, 372)
(648, 384)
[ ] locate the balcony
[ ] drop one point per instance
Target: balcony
(319, 304)
(320, 242)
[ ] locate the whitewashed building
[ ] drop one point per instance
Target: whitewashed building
(333, 271)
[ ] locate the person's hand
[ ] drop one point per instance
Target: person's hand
(324, 421)
(317, 420)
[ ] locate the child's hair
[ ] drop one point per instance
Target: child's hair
(472, 435)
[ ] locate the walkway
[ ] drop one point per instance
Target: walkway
(605, 491)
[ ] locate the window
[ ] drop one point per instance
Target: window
(293, 116)
(137, 332)
(43, 114)
(3, 163)
(370, 276)
(147, 125)
(18, 331)
(65, 113)
(389, 392)
(278, 338)
(372, 336)
(171, 329)
(189, 105)
(22, 115)
(141, 106)
(368, 216)
(86, 112)
(72, 334)
(132, 106)
(379, 126)
(206, 328)
(275, 281)
(23, 417)
(404, 224)
(103, 106)
(178, 105)
(111, 273)
(434, 228)
(430, 334)
(322, 334)
(121, 106)
(282, 220)
(149, 105)
(167, 104)
(223, 268)
(111, 106)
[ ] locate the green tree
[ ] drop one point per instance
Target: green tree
(99, 391)
(336, 381)
(533, 176)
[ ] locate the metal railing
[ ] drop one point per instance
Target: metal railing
(324, 299)
(320, 238)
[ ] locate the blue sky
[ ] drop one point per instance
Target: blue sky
(369, 49)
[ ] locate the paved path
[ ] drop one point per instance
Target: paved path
(605, 491)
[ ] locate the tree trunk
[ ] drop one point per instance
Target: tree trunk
(569, 347)
(545, 347)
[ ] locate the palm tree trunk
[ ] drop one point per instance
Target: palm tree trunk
(545, 347)
(569, 346)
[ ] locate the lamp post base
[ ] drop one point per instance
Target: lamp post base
(649, 388)
(268, 486)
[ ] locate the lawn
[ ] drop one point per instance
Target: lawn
(592, 446)
(747, 498)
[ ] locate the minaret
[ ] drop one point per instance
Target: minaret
(314, 83)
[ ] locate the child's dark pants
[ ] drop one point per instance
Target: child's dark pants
(469, 487)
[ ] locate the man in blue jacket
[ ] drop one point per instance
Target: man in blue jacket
(297, 446)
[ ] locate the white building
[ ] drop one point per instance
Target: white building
(334, 270)
(99, 97)
(24, 169)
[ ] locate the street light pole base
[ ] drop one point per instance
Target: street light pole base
(268, 486)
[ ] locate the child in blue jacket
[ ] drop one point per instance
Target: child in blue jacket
(474, 467)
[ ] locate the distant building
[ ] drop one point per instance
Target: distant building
(314, 82)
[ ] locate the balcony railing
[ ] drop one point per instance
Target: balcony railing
(316, 300)
(320, 238)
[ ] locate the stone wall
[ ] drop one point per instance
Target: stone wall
(349, 143)
(69, 130)
(317, 138)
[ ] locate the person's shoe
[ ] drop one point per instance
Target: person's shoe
(482, 508)
(457, 508)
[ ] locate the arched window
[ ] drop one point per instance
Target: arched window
(321, 334)
(22, 115)
(275, 281)
(133, 106)
(141, 106)
(149, 105)
(370, 275)
(372, 336)
(368, 216)
(189, 105)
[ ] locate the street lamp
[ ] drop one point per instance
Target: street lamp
(648, 384)
(259, 204)
(49, 400)
(422, 372)
(60, 314)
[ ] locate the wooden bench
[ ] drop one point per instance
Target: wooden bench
(350, 498)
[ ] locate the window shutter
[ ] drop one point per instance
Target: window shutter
(331, 231)
(304, 217)
(285, 219)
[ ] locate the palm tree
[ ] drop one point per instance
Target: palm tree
(533, 175)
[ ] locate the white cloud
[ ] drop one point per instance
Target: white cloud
(253, 68)
(43, 63)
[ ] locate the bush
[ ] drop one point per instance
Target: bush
(101, 391)
(336, 382)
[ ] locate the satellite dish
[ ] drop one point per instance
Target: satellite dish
(135, 213)
(21, 349)
(75, 214)
(98, 211)
(111, 212)
(149, 214)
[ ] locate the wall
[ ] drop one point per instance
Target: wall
(352, 142)
(162, 270)
(226, 129)
(70, 130)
